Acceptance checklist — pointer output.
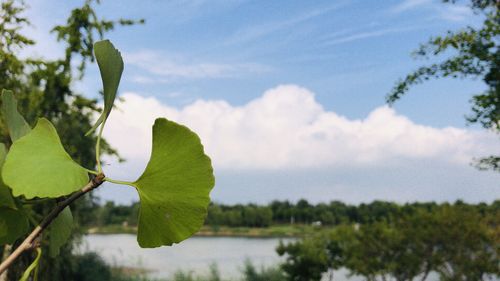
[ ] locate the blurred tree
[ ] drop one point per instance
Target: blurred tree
(477, 56)
(467, 248)
(306, 260)
(455, 241)
(91, 267)
(45, 88)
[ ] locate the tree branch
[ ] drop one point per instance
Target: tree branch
(28, 243)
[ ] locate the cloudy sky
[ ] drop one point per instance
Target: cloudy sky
(288, 97)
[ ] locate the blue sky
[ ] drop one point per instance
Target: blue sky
(288, 96)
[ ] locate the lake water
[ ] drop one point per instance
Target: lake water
(195, 254)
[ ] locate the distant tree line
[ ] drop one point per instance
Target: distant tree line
(112, 214)
(286, 212)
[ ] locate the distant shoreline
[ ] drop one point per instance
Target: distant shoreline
(275, 231)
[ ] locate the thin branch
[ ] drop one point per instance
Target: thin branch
(28, 243)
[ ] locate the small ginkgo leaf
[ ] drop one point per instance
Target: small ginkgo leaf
(16, 124)
(174, 188)
(13, 224)
(60, 231)
(6, 199)
(3, 154)
(38, 166)
(110, 64)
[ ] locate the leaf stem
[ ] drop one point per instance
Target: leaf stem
(91, 171)
(33, 265)
(120, 182)
(29, 242)
(98, 147)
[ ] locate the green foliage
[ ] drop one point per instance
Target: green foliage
(91, 267)
(46, 88)
(457, 242)
(13, 220)
(306, 260)
(174, 188)
(60, 231)
(6, 199)
(33, 266)
(214, 275)
(477, 56)
(16, 124)
(38, 166)
(111, 66)
(112, 214)
(13, 223)
(251, 273)
(302, 212)
(80, 30)
(280, 218)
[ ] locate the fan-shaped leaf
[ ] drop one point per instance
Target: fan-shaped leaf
(6, 199)
(16, 124)
(110, 64)
(174, 188)
(60, 231)
(38, 166)
(13, 222)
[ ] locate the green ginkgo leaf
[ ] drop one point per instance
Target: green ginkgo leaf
(6, 199)
(60, 231)
(16, 124)
(38, 166)
(3, 154)
(174, 188)
(13, 224)
(110, 64)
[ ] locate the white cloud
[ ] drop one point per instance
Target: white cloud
(39, 30)
(287, 128)
(367, 34)
(456, 13)
(254, 32)
(409, 5)
(445, 11)
(166, 69)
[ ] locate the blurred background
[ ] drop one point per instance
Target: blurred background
(351, 140)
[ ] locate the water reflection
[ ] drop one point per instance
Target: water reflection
(196, 253)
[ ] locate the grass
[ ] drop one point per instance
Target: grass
(249, 273)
